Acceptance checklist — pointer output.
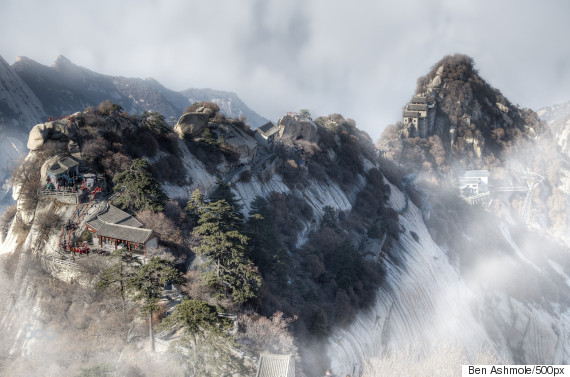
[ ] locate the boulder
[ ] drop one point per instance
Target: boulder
(294, 127)
(436, 82)
(56, 130)
(502, 107)
(191, 124)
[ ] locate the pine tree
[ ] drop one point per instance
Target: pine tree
(224, 191)
(147, 282)
(329, 217)
(264, 246)
(205, 335)
(233, 274)
(193, 206)
(139, 190)
(208, 137)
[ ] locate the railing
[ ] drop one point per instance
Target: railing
(61, 262)
(477, 198)
(47, 192)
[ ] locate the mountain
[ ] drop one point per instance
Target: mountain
(360, 253)
(20, 108)
(465, 122)
(558, 118)
(31, 92)
(553, 113)
(65, 88)
(230, 104)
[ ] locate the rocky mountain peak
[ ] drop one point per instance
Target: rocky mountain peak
(455, 108)
(62, 61)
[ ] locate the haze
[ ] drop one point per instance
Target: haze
(358, 58)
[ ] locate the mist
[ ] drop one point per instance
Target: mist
(359, 59)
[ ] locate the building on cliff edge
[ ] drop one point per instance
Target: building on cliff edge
(419, 117)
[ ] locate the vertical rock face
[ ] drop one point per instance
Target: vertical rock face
(295, 127)
(426, 300)
(20, 109)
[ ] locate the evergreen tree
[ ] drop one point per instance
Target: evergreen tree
(224, 191)
(194, 205)
(209, 138)
(233, 273)
(139, 190)
(155, 122)
(206, 338)
(147, 282)
(264, 246)
(329, 217)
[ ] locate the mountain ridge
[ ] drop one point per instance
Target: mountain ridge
(65, 88)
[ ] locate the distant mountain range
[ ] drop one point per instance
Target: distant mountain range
(65, 88)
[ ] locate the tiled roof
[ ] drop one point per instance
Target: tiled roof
(268, 129)
(419, 99)
(69, 162)
(95, 223)
(417, 107)
(63, 165)
(271, 365)
(125, 233)
(414, 114)
(113, 215)
(115, 223)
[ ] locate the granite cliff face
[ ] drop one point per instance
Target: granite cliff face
(19, 106)
(444, 271)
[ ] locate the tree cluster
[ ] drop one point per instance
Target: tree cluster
(231, 272)
(138, 189)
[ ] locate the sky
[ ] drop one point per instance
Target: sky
(359, 58)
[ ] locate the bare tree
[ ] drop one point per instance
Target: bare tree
(444, 360)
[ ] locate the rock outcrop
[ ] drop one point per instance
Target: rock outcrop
(293, 126)
(63, 130)
(191, 124)
(243, 143)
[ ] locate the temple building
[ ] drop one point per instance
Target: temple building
(419, 117)
(265, 135)
(116, 229)
(63, 171)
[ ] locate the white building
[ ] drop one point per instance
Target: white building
(473, 184)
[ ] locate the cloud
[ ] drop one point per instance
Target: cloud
(357, 58)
